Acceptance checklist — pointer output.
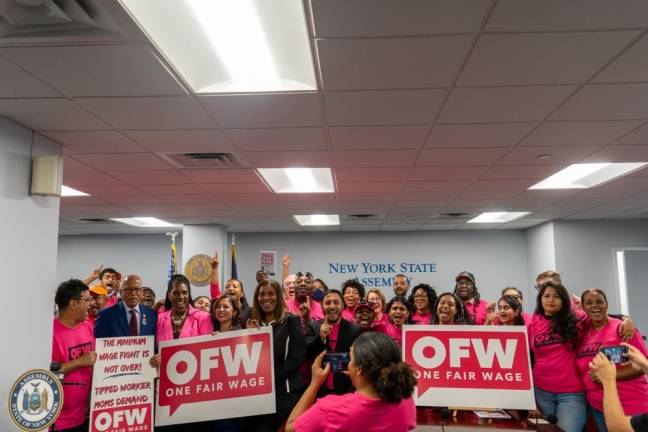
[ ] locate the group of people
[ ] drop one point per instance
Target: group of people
(308, 320)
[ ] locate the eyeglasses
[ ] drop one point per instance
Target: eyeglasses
(307, 274)
(85, 299)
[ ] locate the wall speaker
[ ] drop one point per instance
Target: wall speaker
(47, 175)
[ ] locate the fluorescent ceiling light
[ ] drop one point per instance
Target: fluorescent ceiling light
(317, 220)
(298, 180)
(144, 222)
(226, 46)
(497, 217)
(67, 191)
(583, 176)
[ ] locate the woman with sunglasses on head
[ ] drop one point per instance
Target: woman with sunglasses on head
(302, 303)
(604, 332)
(289, 349)
(422, 299)
(352, 293)
(449, 310)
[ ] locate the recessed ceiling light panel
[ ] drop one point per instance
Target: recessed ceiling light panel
(231, 46)
(298, 180)
(67, 191)
(497, 217)
(144, 222)
(583, 176)
(317, 220)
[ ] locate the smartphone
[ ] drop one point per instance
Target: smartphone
(339, 361)
(616, 354)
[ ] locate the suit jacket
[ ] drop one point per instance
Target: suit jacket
(113, 322)
(314, 346)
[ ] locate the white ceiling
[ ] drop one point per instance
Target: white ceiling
(424, 107)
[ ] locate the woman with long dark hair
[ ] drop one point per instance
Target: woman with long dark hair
(289, 348)
(449, 310)
(555, 332)
(400, 313)
(226, 314)
(509, 312)
(234, 288)
(382, 400)
(422, 299)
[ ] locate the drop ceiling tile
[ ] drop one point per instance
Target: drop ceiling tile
(82, 202)
(446, 173)
(97, 70)
(72, 165)
(536, 58)
(181, 141)
(222, 176)
(378, 158)
(264, 110)
(354, 197)
(530, 15)
(638, 136)
(123, 161)
(383, 107)
(631, 66)
(237, 188)
(426, 196)
(423, 204)
(17, 83)
(170, 112)
(502, 104)
(378, 137)
(354, 175)
(476, 192)
(606, 102)
(50, 115)
(278, 139)
(94, 142)
(112, 191)
(281, 159)
(620, 153)
(478, 135)
(80, 179)
(368, 227)
(149, 177)
(344, 18)
(379, 63)
(500, 185)
(465, 157)
(578, 133)
(440, 186)
(368, 187)
(520, 172)
(564, 155)
(162, 190)
(439, 227)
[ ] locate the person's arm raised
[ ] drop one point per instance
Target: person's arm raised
(214, 285)
(93, 276)
(285, 267)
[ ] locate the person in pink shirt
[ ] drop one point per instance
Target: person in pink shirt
(376, 299)
(382, 400)
(352, 292)
(400, 313)
(603, 331)
(509, 312)
(466, 289)
(73, 347)
(302, 304)
(449, 310)
(180, 320)
(554, 334)
(365, 317)
(422, 299)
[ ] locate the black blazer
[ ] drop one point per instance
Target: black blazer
(314, 346)
(289, 346)
(112, 322)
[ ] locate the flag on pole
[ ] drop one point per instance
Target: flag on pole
(173, 265)
(233, 273)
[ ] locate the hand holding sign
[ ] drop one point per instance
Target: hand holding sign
(87, 359)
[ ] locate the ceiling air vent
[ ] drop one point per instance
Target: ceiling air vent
(203, 160)
(363, 216)
(453, 215)
(94, 220)
(54, 18)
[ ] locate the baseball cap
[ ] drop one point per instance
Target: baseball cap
(363, 305)
(465, 275)
(98, 290)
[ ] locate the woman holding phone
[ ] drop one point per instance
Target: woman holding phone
(603, 332)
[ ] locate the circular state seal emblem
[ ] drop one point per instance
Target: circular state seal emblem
(198, 269)
(35, 400)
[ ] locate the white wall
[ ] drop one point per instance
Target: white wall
(27, 254)
(541, 256)
(497, 258)
(147, 255)
(584, 253)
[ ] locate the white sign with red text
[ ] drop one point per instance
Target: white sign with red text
(227, 375)
(470, 366)
(122, 385)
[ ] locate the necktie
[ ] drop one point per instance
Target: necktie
(133, 323)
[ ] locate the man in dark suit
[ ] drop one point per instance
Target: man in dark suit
(332, 334)
(128, 317)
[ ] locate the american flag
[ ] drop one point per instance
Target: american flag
(172, 264)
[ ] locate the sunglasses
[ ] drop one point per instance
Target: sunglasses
(307, 274)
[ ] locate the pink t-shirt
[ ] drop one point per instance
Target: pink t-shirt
(417, 318)
(332, 344)
(356, 412)
(392, 331)
(632, 393)
(477, 311)
(349, 314)
(555, 359)
(69, 344)
(315, 311)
